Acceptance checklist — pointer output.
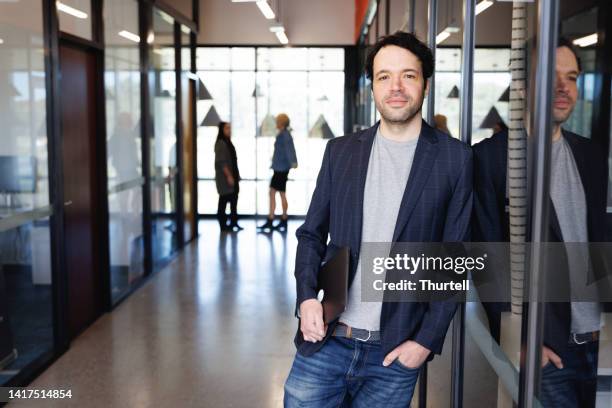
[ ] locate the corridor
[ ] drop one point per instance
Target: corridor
(213, 329)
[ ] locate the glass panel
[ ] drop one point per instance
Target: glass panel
(217, 84)
(326, 59)
(123, 124)
(213, 58)
(577, 96)
(243, 126)
(446, 103)
(448, 60)
(491, 80)
(281, 58)
(314, 101)
(579, 26)
(243, 58)
(491, 87)
(185, 50)
(164, 171)
(26, 305)
(493, 327)
(75, 17)
(492, 59)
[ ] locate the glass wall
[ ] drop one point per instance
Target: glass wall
(574, 369)
(75, 18)
(123, 124)
(491, 79)
(249, 87)
(164, 171)
(26, 307)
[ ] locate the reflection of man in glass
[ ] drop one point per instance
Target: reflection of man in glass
(577, 192)
(124, 158)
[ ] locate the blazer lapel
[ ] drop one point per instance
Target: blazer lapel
(424, 158)
(364, 147)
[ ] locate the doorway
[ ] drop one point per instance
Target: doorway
(81, 201)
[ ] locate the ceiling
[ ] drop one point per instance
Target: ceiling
(307, 22)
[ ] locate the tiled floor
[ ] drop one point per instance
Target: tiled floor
(213, 329)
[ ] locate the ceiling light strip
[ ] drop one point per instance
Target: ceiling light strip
(265, 9)
(482, 6)
(71, 10)
(586, 40)
(129, 36)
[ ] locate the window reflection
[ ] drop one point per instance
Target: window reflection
(123, 124)
(26, 331)
(164, 171)
(75, 17)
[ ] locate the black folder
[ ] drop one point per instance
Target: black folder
(333, 280)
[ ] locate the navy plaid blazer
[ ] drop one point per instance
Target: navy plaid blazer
(435, 207)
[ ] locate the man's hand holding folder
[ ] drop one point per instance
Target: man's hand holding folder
(311, 321)
(333, 280)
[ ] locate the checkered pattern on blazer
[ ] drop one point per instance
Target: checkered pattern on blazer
(435, 207)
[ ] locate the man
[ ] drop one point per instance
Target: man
(577, 193)
(399, 181)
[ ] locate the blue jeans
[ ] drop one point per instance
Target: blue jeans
(574, 386)
(349, 373)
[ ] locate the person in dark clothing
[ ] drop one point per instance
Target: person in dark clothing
(227, 177)
(283, 160)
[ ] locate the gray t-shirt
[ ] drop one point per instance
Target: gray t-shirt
(388, 171)
(568, 198)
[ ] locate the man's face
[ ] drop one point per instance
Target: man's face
(566, 89)
(398, 84)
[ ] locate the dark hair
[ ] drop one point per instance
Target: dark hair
(565, 42)
(407, 41)
(221, 134)
(531, 48)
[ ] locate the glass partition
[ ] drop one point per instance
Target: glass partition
(574, 369)
(164, 170)
(123, 125)
(26, 305)
(305, 83)
(75, 17)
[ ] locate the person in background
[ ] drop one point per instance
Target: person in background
(227, 177)
(283, 160)
(440, 123)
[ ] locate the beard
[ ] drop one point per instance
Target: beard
(403, 115)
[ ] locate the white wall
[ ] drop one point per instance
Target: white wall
(307, 22)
